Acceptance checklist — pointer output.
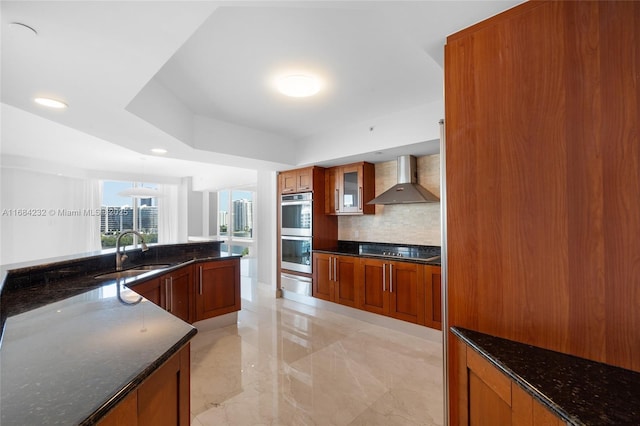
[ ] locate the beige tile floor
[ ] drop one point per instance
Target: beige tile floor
(288, 363)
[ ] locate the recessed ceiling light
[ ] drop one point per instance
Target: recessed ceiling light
(298, 85)
(159, 151)
(50, 103)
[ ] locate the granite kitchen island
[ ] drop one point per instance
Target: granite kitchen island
(74, 347)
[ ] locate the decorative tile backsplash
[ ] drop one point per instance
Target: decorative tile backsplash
(399, 223)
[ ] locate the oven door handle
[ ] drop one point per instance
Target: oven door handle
(290, 237)
(296, 203)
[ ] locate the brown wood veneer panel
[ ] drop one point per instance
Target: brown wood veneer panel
(543, 178)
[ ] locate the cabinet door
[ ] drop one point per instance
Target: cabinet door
(374, 296)
(526, 411)
(163, 399)
(288, 182)
(123, 414)
(300, 180)
(485, 407)
(489, 392)
(323, 276)
(486, 396)
(406, 291)
(178, 288)
(304, 180)
(151, 290)
(433, 297)
(331, 191)
(348, 188)
(218, 288)
(345, 279)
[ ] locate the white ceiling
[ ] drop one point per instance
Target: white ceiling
(196, 78)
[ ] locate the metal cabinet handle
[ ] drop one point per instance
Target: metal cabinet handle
(335, 274)
(384, 277)
(201, 280)
(166, 294)
(391, 278)
(359, 198)
(171, 286)
(337, 197)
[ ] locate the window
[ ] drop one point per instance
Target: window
(121, 211)
(235, 220)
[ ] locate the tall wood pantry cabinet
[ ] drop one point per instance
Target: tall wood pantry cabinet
(542, 111)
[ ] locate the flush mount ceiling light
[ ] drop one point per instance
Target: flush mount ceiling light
(140, 192)
(159, 151)
(50, 103)
(298, 85)
(20, 28)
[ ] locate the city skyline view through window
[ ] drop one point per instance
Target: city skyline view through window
(125, 212)
(235, 220)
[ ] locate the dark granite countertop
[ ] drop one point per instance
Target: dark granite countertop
(357, 248)
(579, 391)
(74, 346)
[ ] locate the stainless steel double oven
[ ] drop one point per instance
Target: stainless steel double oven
(296, 225)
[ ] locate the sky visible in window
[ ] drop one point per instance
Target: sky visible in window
(237, 195)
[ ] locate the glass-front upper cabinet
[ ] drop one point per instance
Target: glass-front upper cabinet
(349, 188)
(351, 196)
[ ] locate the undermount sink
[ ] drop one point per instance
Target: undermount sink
(149, 267)
(133, 272)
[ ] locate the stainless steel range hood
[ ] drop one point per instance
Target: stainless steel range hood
(407, 190)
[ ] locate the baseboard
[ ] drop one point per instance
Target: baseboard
(380, 320)
(217, 322)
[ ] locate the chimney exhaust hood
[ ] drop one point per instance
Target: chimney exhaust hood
(407, 190)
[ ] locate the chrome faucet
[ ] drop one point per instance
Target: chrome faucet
(122, 257)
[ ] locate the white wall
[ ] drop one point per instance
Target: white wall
(30, 237)
(402, 128)
(212, 206)
(195, 220)
(266, 227)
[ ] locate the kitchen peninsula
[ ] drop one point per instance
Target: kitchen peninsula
(81, 349)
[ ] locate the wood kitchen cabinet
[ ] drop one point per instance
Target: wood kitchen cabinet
(217, 288)
(163, 399)
(299, 180)
(433, 297)
(178, 291)
(585, 76)
(196, 292)
(492, 398)
(392, 288)
(152, 290)
(348, 188)
(335, 278)
(123, 414)
(322, 276)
